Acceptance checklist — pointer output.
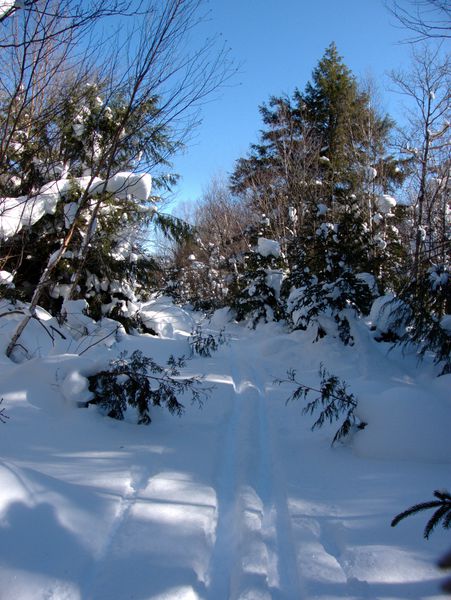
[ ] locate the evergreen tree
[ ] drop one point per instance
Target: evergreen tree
(322, 172)
(254, 293)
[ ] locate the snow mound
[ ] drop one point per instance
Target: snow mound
(167, 320)
(385, 315)
(406, 423)
(75, 388)
(39, 338)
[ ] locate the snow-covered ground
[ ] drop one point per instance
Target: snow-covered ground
(234, 500)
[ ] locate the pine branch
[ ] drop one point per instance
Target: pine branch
(333, 401)
(3, 416)
(441, 514)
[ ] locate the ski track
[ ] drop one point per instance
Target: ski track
(139, 478)
(253, 522)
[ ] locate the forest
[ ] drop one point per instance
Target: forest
(318, 267)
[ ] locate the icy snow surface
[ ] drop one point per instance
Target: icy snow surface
(235, 500)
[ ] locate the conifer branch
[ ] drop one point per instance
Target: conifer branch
(442, 513)
(333, 401)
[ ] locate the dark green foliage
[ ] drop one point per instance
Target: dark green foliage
(445, 563)
(424, 302)
(442, 514)
(318, 172)
(140, 382)
(251, 295)
(3, 416)
(347, 295)
(430, 299)
(205, 344)
(86, 136)
(173, 227)
(333, 402)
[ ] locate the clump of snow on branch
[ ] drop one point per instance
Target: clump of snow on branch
(385, 203)
(24, 211)
(267, 247)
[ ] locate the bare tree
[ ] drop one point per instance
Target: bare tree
(160, 85)
(424, 18)
(427, 142)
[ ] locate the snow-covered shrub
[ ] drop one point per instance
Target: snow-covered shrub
(254, 295)
(419, 317)
(389, 317)
(140, 382)
(329, 305)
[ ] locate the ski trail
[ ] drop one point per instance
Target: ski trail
(253, 523)
(138, 481)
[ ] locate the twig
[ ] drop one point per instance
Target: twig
(98, 341)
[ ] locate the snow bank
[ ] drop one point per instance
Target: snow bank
(86, 501)
(39, 337)
(406, 423)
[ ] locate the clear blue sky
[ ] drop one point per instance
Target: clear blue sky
(278, 43)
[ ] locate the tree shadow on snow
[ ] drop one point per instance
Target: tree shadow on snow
(33, 540)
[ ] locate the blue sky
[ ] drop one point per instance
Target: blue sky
(278, 43)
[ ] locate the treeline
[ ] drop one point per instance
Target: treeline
(358, 209)
(332, 209)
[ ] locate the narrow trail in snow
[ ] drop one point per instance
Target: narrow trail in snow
(253, 524)
(252, 549)
(138, 482)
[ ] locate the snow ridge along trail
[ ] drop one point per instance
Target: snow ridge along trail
(254, 556)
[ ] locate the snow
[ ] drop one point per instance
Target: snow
(6, 278)
(267, 247)
(274, 279)
(321, 209)
(237, 499)
(16, 213)
(385, 203)
(165, 319)
(370, 173)
(370, 281)
(138, 185)
(70, 211)
(445, 323)
(5, 6)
